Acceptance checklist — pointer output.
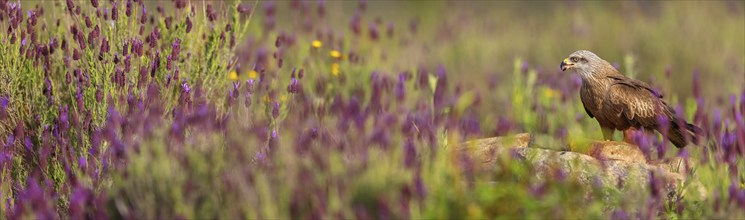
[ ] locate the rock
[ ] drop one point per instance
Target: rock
(488, 149)
(613, 150)
(610, 164)
(516, 141)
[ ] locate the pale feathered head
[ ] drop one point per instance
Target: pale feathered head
(584, 63)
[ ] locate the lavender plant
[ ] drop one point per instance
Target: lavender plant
(262, 110)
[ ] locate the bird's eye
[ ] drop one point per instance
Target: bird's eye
(575, 59)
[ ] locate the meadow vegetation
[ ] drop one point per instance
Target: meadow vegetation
(343, 109)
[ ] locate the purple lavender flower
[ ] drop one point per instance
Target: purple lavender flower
(169, 62)
(104, 46)
(143, 17)
(373, 30)
(422, 81)
(248, 99)
(92, 36)
(168, 80)
(188, 25)
(143, 76)
(176, 74)
(127, 63)
(169, 21)
(275, 110)
(128, 10)
(654, 185)
(70, 5)
(88, 22)
(400, 90)
(231, 97)
(82, 162)
(733, 191)
(53, 45)
(211, 13)
(294, 87)
(4, 107)
(741, 197)
(79, 99)
(125, 48)
(355, 23)
(278, 41)
(261, 157)
(155, 64)
(19, 132)
(11, 139)
(153, 38)
(470, 124)
(115, 11)
(620, 214)
(524, 67)
(244, 8)
(250, 85)
(180, 4)
(80, 39)
(236, 86)
(185, 87)
(321, 9)
(99, 94)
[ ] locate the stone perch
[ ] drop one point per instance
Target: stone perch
(609, 163)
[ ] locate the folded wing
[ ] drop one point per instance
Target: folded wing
(636, 103)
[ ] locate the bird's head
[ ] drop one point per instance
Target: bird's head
(583, 62)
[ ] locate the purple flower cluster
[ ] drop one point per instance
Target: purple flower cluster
(84, 135)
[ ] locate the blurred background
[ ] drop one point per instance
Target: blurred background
(661, 42)
(664, 43)
(651, 41)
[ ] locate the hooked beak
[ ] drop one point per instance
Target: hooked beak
(566, 64)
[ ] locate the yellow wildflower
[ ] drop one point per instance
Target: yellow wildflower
(335, 69)
(283, 98)
(266, 99)
(233, 75)
(335, 54)
(253, 74)
(550, 93)
(316, 44)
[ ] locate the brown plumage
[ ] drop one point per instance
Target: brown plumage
(621, 103)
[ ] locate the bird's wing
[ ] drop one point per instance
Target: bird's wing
(634, 101)
(635, 83)
(585, 106)
(587, 99)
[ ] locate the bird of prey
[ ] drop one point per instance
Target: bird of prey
(621, 103)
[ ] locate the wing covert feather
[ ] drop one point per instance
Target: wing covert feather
(637, 105)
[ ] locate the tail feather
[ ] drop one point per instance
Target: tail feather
(681, 136)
